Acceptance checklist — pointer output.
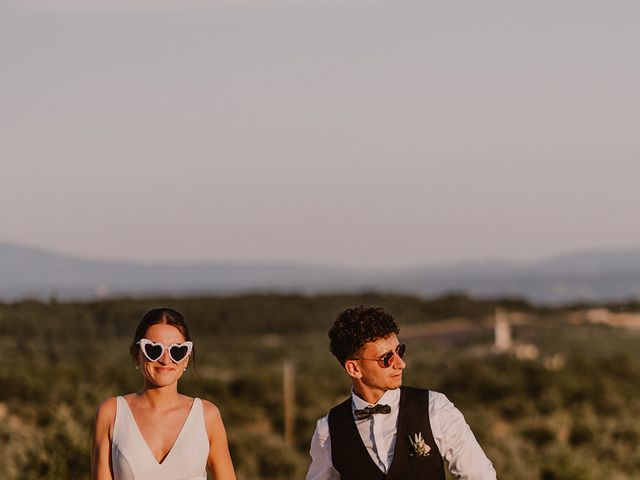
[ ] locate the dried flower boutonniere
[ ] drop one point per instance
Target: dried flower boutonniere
(419, 446)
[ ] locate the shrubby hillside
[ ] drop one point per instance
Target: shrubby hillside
(563, 404)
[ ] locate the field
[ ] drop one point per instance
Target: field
(563, 403)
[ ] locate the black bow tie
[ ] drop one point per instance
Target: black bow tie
(368, 411)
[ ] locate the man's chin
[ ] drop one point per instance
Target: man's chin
(396, 382)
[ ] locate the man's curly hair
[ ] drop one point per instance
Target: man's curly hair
(356, 326)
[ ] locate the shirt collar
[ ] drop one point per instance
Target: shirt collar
(390, 397)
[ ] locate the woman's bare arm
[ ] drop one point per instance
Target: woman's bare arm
(102, 434)
(219, 462)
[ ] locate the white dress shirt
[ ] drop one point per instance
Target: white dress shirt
(451, 433)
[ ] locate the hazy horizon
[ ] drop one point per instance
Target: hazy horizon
(363, 134)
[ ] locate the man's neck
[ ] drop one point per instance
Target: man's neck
(368, 395)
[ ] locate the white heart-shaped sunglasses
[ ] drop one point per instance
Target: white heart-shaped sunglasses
(154, 350)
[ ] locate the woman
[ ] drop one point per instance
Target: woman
(159, 434)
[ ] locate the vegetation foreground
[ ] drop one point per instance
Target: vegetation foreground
(563, 404)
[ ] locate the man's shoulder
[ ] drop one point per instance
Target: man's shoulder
(415, 394)
(435, 401)
(438, 399)
(322, 422)
(346, 403)
(434, 396)
(414, 390)
(322, 429)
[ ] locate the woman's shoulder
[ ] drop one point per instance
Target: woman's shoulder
(213, 420)
(211, 411)
(107, 408)
(105, 416)
(212, 416)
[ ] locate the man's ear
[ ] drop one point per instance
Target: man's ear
(353, 369)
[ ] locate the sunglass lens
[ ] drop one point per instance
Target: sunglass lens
(153, 352)
(386, 360)
(178, 352)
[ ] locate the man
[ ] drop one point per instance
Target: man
(385, 431)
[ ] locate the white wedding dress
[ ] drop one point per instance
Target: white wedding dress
(132, 459)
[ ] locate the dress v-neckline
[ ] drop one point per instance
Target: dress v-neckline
(166, 457)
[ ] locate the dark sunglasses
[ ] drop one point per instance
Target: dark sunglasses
(387, 357)
(154, 350)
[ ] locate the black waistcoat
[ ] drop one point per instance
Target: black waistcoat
(352, 460)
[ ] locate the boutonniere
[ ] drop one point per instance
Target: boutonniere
(419, 446)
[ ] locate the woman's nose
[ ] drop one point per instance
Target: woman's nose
(165, 359)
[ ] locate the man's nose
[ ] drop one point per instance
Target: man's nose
(398, 362)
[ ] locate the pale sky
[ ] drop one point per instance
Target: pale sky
(356, 133)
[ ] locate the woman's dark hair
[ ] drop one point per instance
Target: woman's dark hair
(164, 315)
(356, 326)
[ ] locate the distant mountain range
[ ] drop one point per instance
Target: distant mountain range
(588, 276)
